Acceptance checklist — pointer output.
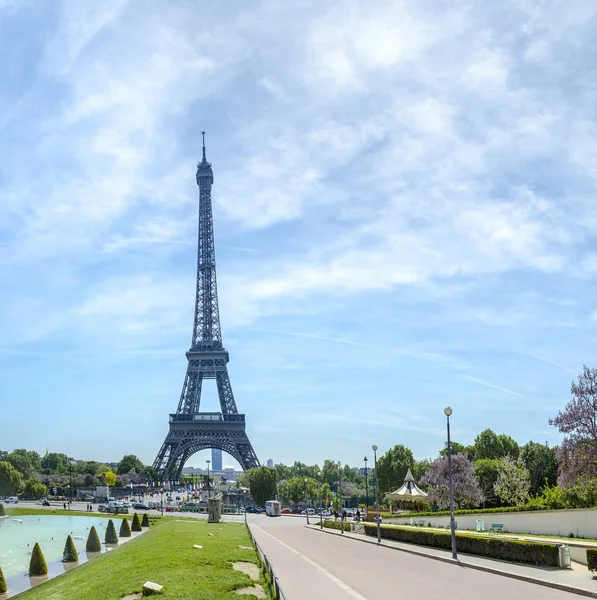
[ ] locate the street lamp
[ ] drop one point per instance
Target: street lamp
(376, 494)
(340, 494)
(366, 490)
(245, 503)
(207, 482)
(70, 472)
(448, 412)
(306, 502)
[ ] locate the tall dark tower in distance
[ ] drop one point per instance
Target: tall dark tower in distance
(191, 430)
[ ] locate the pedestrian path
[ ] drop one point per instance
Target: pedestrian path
(577, 580)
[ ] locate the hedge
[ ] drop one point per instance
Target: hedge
(136, 524)
(125, 530)
(336, 525)
(70, 553)
(93, 541)
(2, 513)
(477, 511)
(533, 553)
(37, 564)
(111, 537)
(3, 587)
(592, 559)
(145, 520)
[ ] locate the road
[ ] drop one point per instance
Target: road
(316, 565)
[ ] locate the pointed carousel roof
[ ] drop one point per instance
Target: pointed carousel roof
(409, 489)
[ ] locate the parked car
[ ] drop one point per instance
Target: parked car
(253, 510)
(102, 508)
(326, 513)
(12, 500)
(140, 506)
(286, 511)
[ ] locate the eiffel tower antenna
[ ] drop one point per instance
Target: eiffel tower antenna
(191, 430)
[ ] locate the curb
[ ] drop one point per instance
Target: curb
(551, 584)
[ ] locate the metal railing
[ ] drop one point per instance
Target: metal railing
(278, 592)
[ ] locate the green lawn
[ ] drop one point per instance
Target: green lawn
(166, 556)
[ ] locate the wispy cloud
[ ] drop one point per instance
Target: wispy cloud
(491, 385)
(553, 362)
(317, 337)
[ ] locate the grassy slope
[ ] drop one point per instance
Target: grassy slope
(166, 556)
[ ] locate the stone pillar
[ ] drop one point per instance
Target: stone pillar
(214, 510)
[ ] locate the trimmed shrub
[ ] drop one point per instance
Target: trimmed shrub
(125, 529)
(592, 559)
(93, 541)
(533, 553)
(70, 553)
(2, 513)
(3, 587)
(336, 525)
(111, 537)
(471, 511)
(136, 524)
(145, 520)
(37, 564)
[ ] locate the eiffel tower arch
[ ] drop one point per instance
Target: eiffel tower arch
(191, 430)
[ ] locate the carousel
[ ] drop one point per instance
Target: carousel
(407, 497)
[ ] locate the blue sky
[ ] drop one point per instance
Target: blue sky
(404, 204)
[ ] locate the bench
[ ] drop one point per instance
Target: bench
(496, 528)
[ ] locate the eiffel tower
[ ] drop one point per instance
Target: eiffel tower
(191, 430)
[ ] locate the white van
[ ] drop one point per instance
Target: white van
(272, 508)
(12, 500)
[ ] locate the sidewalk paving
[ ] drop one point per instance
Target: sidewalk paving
(576, 580)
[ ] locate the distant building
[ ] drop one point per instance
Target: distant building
(216, 459)
(270, 463)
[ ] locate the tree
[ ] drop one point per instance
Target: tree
(145, 520)
(37, 564)
(513, 482)
(3, 586)
(486, 472)
(263, 483)
(109, 477)
(10, 479)
(490, 445)
(125, 529)
(325, 494)
(284, 472)
(466, 489)
(34, 488)
(457, 448)
(329, 472)
(110, 536)
(420, 467)
(25, 461)
(542, 464)
(136, 524)
(70, 553)
(392, 467)
(2, 513)
(93, 542)
(129, 464)
(509, 446)
(55, 463)
(577, 455)
(295, 489)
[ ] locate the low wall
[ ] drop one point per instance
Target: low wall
(581, 522)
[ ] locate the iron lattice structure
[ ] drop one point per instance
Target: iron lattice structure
(191, 430)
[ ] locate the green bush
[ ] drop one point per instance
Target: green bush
(111, 537)
(70, 553)
(336, 525)
(93, 541)
(592, 559)
(125, 529)
(136, 524)
(145, 520)
(534, 553)
(3, 587)
(2, 513)
(37, 564)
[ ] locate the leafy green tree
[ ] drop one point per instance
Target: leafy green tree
(37, 564)
(34, 488)
(26, 462)
(70, 553)
(125, 529)
(509, 446)
(419, 468)
(392, 467)
(326, 494)
(490, 445)
(457, 448)
(2, 513)
(296, 489)
(55, 463)
(284, 472)
(3, 587)
(129, 464)
(93, 542)
(145, 520)
(486, 472)
(513, 482)
(329, 472)
(11, 480)
(542, 464)
(263, 483)
(136, 524)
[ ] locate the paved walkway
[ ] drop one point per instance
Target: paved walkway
(315, 564)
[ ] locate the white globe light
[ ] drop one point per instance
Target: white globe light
(448, 411)
(374, 448)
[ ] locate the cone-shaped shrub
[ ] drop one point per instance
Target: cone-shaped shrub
(70, 553)
(111, 537)
(3, 587)
(2, 513)
(37, 565)
(125, 529)
(136, 524)
(93, 541)
(145, 520)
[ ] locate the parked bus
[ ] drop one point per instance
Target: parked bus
(272, 508)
